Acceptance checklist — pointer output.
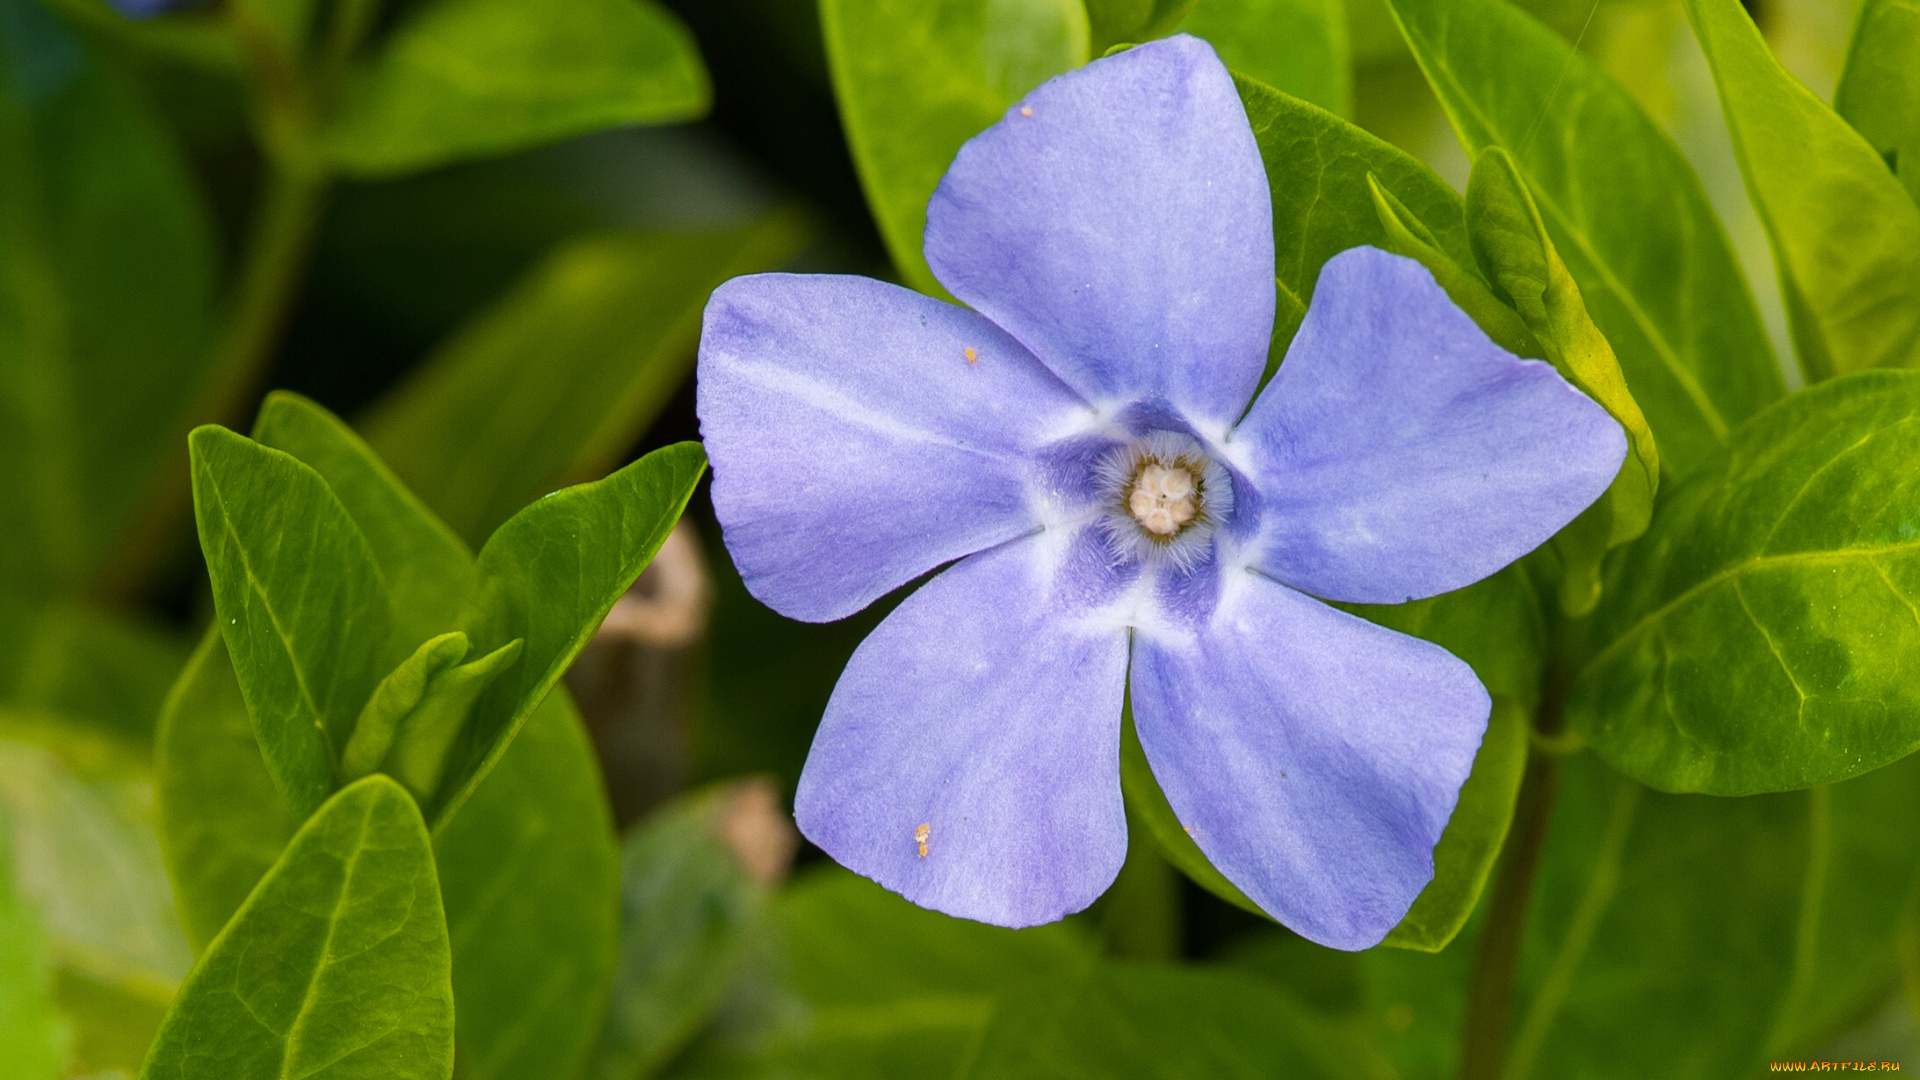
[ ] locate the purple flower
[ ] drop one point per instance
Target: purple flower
(1081, 442)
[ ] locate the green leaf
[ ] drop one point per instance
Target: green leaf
(1474, 835)
(398, 695)
(471, 78)
(549, 576)
(1846, 237)
(31, 1040)
(278, 26)
(1120, 22)
(298, 597)
(1879, 91)
(556, 381)
(427, 731)
(691, 917)
(221, 818)
(531, 876)
(428, 571)
(1163, 1020)
(1510, 241)
(1317, 166)
(337, 964)
(106, 266)
(1298, 47)
(1756, 638)
(916, 78)
(1677, 936)
(1669, 299)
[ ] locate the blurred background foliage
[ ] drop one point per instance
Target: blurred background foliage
(499, 281)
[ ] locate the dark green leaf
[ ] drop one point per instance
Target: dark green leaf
(428, 571)
(278, 26)
(1164, 1021)
(469, 78)
(1846, 236)
(1879, 91)
(549, 576)
(1685, 936)
(1473, 837)
(691, 915)
(1120, 22)
(222, 821)
(31, 1041)
(105, 279)
(531, 875)
(916, 78)
(1298, 47)
(338, 962)
(1317, 166)
(1756, 638)
(1668, 296)
(555, 382)
(298, 597)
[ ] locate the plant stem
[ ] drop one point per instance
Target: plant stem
(1483, 1049)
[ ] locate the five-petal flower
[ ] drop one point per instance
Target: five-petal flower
(1078, 443)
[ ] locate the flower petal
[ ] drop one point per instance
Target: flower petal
(862, 434)
(983, 718)
(1314, 756)
(1402, 453)
(1118, 222)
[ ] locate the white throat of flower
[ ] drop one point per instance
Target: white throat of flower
(1162, 497)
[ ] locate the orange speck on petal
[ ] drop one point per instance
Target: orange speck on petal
(972, 357)
(1026, 110)
(920, 837)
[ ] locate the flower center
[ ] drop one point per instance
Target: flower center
(1163, 498)
(1164, 495)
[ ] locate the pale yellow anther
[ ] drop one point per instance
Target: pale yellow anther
(1162, 499)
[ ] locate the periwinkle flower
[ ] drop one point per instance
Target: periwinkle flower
(1079, 446)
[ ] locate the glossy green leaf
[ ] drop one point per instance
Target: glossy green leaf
(691, 916)
(558, 379)
(298, 597)
(31, 1040)
(428, 571)
(337, 965)
(1879, 91)
(470, 78)
(531, 875)
(1625, 212)
(916, 78)
(1298, 47)
(105, 279)
(1756, 638)
(1846, 236)
(1511, 242)
(1464, 858)
(222, 821)
(1317, 166)
(549, 576)
(1122, 22)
